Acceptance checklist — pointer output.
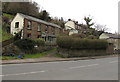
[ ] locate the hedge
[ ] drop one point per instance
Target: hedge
(28, 44)
(40, 42)
(25, 44)
(77, 43)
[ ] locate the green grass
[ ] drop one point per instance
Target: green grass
(58, 55)
(6, 36)
(7, 58)
(8, 15)
(39, 55)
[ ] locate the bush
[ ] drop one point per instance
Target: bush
(64, 41)
(25, 44)
(77, 43)
(40, 42)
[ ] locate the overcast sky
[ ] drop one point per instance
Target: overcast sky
(104, 12)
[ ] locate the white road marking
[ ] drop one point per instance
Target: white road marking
(1, 75)
(76, 67)
(83, 66)
(113, 62)
(92, 64)
(86, 60)
(23, 73)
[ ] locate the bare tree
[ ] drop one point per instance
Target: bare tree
(102, 28)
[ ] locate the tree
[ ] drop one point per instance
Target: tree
(29, 8)
(88, 20)
(44, 15)
(6, 24)
(102, 28)
(58, 21)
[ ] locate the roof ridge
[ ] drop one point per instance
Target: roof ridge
(38, 20)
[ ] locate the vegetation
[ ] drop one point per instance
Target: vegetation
(8, 15)
(88, 20)
(7, 58)
(6, 36)
(40, 42)
(26, 56)
(77, 43)
(38, 55)
(29, 8)
(25, 44)
(5, 30)
(59, 55)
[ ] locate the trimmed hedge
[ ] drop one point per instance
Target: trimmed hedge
(77, 43)
(40, 42)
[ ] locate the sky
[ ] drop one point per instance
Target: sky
(103, 12)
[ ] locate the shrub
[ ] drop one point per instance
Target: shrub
(25, 44)
(64, 41)
(40, 42)
(92, 37)
(81, 35)
(77, 43)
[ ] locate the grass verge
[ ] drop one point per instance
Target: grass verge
(58, 55)
(38, 55)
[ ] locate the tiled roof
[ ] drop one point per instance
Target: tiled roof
(38, 20)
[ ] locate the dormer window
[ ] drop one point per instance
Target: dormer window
(29, 25)
(17, 25)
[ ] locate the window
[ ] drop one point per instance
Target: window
(17, 25)
(39, 29)
(28, 35)
(29, 25)
(46, 29)
(53, 30)
(38, 36)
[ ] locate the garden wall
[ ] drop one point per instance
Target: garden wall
(76, 47)
(85, 52)
(81, 53)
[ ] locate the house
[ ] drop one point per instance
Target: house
(34, 28)
(111, 38)
(72, 26)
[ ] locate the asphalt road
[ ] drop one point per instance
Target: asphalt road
(92, 69)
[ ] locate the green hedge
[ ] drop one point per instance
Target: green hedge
(40, 42)
(77, 43)
(29, 44)
(25, 44)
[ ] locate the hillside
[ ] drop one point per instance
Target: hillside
(8, 15)
(6, 36)
(3, 31)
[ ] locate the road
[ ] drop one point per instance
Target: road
(92, 69)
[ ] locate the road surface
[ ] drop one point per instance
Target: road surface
(92, 69)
